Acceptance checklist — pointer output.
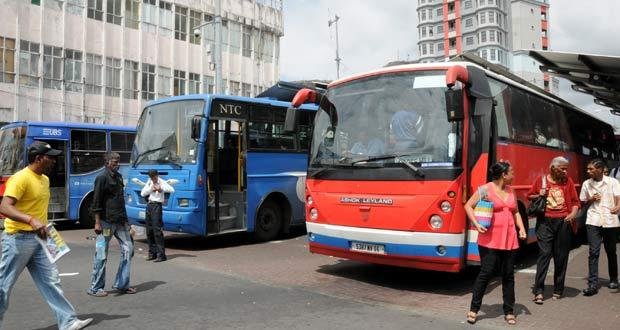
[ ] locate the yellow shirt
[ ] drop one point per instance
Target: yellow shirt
(32, 192)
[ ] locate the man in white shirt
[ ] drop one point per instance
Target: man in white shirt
(154, 191)
(602, 194)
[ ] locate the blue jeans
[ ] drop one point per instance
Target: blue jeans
(22, 250)
(121, 232)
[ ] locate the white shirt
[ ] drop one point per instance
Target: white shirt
(599, 213)
(156, 196)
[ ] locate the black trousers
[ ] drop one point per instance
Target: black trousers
(554, 240)
(154, 234)
(609, 237)
(494, 261)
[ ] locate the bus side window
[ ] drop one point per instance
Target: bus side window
(91, 147)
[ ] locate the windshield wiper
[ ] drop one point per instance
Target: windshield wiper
(140, 157)
(416, 170)
(169, 161)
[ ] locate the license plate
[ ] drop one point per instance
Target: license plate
(141, 214)
(368, 248)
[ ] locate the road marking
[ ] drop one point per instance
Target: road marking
(68, 274)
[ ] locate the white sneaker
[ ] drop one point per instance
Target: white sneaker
(80, 324)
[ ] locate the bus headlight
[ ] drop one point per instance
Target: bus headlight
(435, 221)
(309, 201)
(129, 199)
(446, 206)
(183, 202)
(314, 214)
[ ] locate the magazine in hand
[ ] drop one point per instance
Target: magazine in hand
(54, 246)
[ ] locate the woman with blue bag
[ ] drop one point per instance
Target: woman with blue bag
(497, 238)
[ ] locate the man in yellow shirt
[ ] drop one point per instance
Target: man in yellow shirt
(24, 204)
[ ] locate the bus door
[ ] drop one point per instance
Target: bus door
(226, 150)
(59, 195)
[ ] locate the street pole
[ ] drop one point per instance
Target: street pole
(218, 47)
(337, 59)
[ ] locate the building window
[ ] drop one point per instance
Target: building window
(194, 83)
(149, 16)
(483, 36)
(424, 51)
(235, 38)
(148, 81)
(113, 11)
(483, 54)
(440, 29)
(130, 88)
(166, 18)
(491, 36)
(544, 33)
(7, 60)
(483, 18)
(75, 7)
(424, 32)
(179, 82)
(469, 22)
(467, 4)
(440, 47)
(29, 63)
(73, 70)
(53, 4)
(452, 43)
(112, 76)
(208, 83)
(94, 69)
(423, 15)
(180, 23)
(235, 88)
(246, 42)
(194, 21)
(469, 41)
(491, 17)
(267, 55)
(439, 12)
(132, 13)
(492, 54)
(164, 76)
(95, 9)
(246, 90)
(35, 2)
(499, 37)
(52, 67)
(451, 26)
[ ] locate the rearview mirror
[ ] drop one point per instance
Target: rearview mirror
(196, 128)
(290, 122)
(454, 105)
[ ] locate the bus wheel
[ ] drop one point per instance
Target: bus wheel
(87, 221)
(268, 222)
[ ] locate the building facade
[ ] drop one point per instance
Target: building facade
(101, 61)
(495, 30)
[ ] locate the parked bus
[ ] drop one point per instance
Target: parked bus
(73, 177)
(429, 133)
(231, 164)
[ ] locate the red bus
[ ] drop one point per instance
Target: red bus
(396, 152)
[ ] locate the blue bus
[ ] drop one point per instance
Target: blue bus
(73, 177)
(232, 165)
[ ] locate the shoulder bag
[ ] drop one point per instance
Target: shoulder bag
(483, 212)
(539, 204)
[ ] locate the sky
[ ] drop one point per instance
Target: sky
(372, 33)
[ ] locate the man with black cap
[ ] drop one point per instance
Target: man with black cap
(24, 204)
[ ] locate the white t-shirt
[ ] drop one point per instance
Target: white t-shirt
(599, 214)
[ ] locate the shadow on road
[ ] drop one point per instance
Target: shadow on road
(97, 318)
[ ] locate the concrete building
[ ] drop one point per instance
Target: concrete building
(496, 30)
(101, 61)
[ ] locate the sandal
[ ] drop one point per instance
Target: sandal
(556, 296)
(538, 299)
(98, 293)
(510, 319)
(129, 290)
(471, 317)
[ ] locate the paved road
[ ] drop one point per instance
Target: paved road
(229, 282)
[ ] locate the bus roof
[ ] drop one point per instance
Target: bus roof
(69, 125)
(211, 97)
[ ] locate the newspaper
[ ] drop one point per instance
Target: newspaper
(54, 246)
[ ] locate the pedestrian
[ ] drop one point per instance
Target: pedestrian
(497, 244)
(554, 228)
(110, 220)
(154, 191)
(24, 205)
(601, 194)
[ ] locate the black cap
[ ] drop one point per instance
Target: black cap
(42, 148)
(153, 172)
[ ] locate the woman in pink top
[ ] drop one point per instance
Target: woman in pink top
(498, 243)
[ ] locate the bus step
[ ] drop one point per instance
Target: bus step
(228, 222)
(225, 209)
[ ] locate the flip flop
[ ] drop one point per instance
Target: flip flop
(538, 299)
(129, 290)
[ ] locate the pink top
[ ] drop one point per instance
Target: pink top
(502, 235)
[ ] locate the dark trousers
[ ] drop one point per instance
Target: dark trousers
(154, 234)
(494, 261)
(609, 237)
(554, 240)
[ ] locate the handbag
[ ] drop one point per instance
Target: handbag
(539, 204)
(483, 212)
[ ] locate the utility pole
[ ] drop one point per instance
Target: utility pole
(337, 59)
(218, 47)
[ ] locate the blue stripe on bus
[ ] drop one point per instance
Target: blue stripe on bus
(408, 250)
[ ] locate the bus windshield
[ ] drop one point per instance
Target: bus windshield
(163, 135)
(12, 147)
(383, 120)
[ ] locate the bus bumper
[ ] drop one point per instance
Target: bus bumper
(421, 250)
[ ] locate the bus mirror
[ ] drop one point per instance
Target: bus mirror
(290, 123)
(304, 95)
(328, 137)
(454, 105)
(196, 127)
